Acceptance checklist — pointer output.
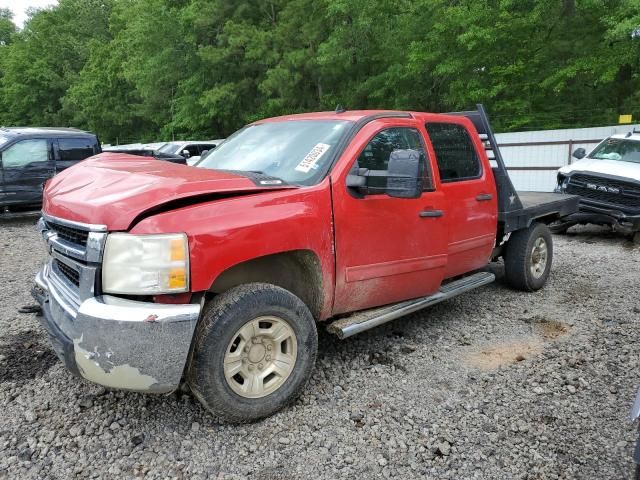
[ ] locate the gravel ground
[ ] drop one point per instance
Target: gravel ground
(493, 384)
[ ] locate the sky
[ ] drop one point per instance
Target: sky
(19, 8)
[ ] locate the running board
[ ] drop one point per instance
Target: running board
(20, 215)
(366, 319)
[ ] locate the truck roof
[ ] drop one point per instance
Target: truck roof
(43, 131)
(349, 115)
(633, 135)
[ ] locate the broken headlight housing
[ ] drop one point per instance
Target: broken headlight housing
(145, 264)
(563, 180)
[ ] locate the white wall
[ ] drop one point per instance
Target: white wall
(551, 157)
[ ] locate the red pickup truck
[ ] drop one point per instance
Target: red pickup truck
(217, 276)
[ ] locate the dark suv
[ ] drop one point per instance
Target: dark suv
(30, 156)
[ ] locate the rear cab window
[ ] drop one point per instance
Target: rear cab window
(76, 149)
(456, 154)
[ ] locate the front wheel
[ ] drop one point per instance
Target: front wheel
(255, 349)
(528, 257)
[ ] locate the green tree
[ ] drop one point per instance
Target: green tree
(45, 57)
(7, 27)
(160, 69)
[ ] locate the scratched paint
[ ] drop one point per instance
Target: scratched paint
(120, 376)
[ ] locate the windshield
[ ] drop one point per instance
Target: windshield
(169, 148)
(296, 151)
(618, 149)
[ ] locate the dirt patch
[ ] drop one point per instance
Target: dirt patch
(24, 356)
(501, 354)
(580, 292)
(549, 329)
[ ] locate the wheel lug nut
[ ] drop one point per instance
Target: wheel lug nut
(244, 360)
(246, 349)
(260, 367)
(250, 367)
(269, 347)
(254, 340)
(268, 357)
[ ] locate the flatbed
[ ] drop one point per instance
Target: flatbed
(538, 206)
(517, 210)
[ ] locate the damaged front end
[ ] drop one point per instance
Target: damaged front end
(107, 339)
(604, 200)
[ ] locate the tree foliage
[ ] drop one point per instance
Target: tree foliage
(149, 69)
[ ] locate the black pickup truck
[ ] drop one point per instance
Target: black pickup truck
(30, 156)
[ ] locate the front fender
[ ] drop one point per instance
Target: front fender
(227, 232)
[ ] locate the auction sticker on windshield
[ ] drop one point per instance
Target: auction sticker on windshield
(310, 160)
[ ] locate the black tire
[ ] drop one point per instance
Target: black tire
(222, 318)
(518, 258)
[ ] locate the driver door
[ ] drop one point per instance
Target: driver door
(26, 165)
(387, 249)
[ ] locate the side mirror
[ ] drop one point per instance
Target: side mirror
(579, 153)
(404, 174)
(204, 152)
(186, 154)
(402, 179)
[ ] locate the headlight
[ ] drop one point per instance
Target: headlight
(145, 264)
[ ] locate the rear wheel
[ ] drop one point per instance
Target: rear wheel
(528, 257)
(255, 349)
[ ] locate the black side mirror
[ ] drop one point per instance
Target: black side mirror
(579, 153)
(402, 179)
(404, 174)
(204, 152)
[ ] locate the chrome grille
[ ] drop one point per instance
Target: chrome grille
(79, 241)
(76, 251)
(69, 273)
(72, 235)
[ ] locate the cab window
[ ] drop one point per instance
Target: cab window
(25, 152)
(455, 153)
(75, 149)
(375, 155)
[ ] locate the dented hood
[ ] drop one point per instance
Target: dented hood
(114, 189)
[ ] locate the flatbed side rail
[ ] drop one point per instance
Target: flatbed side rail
(508, 199)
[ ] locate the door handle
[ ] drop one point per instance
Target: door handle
(431, 213)
(483, 197)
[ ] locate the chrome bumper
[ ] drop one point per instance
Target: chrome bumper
(118, 343)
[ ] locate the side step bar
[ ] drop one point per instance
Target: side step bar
(366, 319)
(20, 215)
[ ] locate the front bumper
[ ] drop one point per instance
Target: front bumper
(601, 213)
(118, 343)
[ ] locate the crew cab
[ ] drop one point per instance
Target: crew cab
(217, 277)
(608, 183)
(30, 156)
